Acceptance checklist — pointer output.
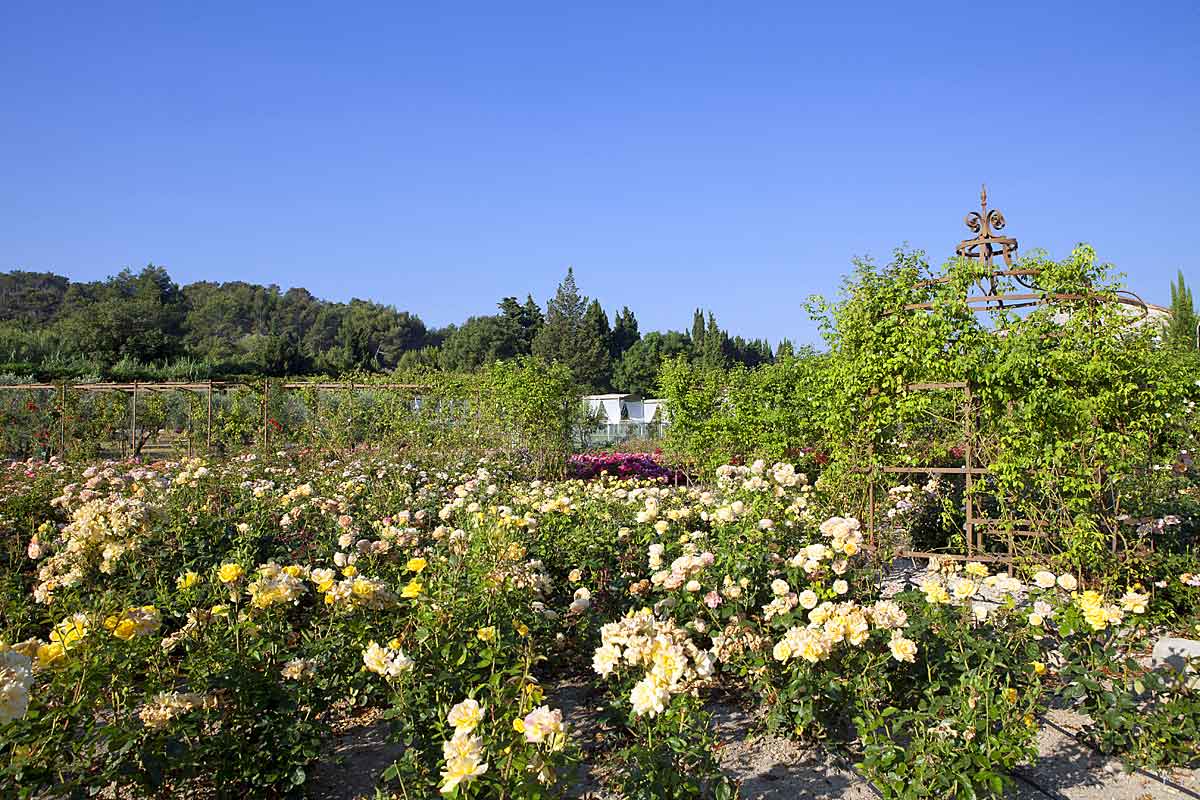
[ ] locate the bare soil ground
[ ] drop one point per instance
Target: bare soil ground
(772, 767)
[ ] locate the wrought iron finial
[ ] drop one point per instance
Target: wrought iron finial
(986, 245)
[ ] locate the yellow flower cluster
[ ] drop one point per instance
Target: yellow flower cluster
(165, 707)
(356, 592)
(101, 532)
(187, 580)
(277, 585)
(844, 623)
(65, 636)
(844, 533)
(390, 661)
(463, 752)
(949, 582)
(230, 573)
(666, 652)
(140, 621)
(193, 469)
(1098, 614)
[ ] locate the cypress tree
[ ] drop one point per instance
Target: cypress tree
(1182, 329)
(624, 333)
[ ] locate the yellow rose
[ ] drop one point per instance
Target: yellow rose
(412, 589)
(976, 569)
(519, 725)
(69, 631)
(487, 634)
(48, 654)
(416, 565)
(1096, 617)
(1038, 668)
(187, 580)
(125, 629)
(349, 570)
(230, 573)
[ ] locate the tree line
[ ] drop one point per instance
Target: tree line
(145, 325)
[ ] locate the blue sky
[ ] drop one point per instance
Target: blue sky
(735, 156)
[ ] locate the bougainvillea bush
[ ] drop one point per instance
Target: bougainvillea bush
(646, 466)
(192, 627)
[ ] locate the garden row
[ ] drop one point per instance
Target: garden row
(195, 626)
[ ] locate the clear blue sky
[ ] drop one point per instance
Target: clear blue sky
(734, 156)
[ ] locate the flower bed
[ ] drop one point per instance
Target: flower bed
(195, 626)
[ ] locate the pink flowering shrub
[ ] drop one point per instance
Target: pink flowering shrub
(644, 466)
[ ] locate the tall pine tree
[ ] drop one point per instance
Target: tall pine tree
(567, 337)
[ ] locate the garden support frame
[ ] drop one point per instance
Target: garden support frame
(986, 247)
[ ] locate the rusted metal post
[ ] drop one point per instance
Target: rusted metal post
(208, 429)
(62, 420)
(871, 497)
(133, 423)
(968, 464)
(266, 403)
(191, 423)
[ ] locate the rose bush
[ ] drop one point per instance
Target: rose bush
(196, 625)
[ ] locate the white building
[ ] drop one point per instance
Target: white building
(621, 407)
(623, 415)
(654, 410)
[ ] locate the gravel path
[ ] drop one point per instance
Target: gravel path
(1068, 769)
(773, 767)
(777, 768)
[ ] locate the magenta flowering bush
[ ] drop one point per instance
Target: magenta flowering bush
(645, 466)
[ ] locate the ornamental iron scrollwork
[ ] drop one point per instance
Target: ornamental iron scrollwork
(987, 246)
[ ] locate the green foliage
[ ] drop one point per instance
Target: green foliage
(1148, 718)
(1076, 408)
(480, 341)
(1181, 331)
(717, 415)
(638, 369)
(673, 757)
(533, 407)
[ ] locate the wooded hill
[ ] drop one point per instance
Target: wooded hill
(144, 325)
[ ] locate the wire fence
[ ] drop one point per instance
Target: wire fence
(182, 418)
